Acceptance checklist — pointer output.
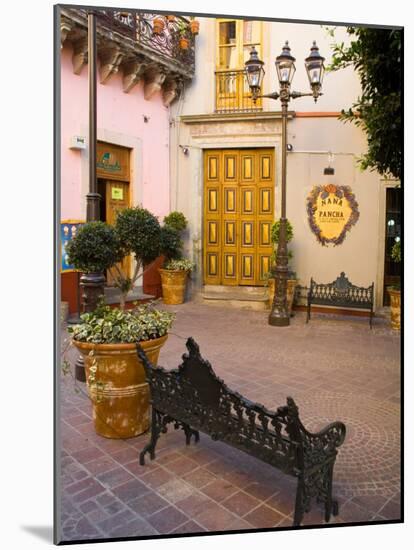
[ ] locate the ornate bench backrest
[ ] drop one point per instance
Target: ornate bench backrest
(193, 394)
(342, 292)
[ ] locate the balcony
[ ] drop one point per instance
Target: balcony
(233, 94)
(143, 46)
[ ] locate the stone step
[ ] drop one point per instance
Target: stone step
(235, 296)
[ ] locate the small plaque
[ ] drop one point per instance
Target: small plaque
(117, 193)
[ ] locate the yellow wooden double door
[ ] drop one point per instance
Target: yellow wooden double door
(238, 215)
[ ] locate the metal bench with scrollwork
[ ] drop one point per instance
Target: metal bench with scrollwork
(341, 293)
(193, 398)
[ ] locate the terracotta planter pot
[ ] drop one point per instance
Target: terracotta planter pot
(173, 285)
(395, 296)
(171, 18)
(291, 286)
(184, 42)
(195, 27)
(121, 405)
(158, 25)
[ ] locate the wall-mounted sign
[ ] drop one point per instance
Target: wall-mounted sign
(117, 193)
(332, 211)
(112, 161)
(68, 230)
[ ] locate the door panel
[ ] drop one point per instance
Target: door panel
(116, 199)
(238, 214)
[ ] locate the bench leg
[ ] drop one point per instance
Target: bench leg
(308, 316)
(329, 502)
(155, 434)
(299, 504)
(370, 319)
(189, 432)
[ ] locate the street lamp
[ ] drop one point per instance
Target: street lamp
(285, 68)
(91, 284)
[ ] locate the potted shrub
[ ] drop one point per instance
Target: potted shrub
(292, 280)
(95, 249)
(158, 25)
(175, 271)
(183, 40)
(395, 291)
(136, 231)
(115, 376)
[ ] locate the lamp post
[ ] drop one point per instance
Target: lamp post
(285, 68)
(91, 284)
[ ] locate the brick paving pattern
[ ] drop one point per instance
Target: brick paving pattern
(335, 368)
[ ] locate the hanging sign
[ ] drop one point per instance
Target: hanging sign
(68, 230)
(332, 211)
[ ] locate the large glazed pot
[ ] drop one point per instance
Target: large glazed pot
(118, 391)
(395, 296)
(173, 285)
(291, 286)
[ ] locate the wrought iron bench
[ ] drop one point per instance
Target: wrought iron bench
(341, 293)
(193, 398)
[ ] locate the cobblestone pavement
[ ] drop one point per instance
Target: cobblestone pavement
(335, 368)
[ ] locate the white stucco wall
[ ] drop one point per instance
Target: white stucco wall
(311, 137)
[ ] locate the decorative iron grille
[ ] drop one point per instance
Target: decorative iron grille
(174, 42)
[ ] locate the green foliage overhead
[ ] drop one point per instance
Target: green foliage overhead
(376, 56)
(108, 325)
(176, 220)
(396, 252)
(171, 243)
(140, 233)
(276, 229)
(95, 248)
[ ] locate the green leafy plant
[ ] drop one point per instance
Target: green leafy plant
(274, 237)
(275, 231)
(396, 252)
(180, 264)
(95, 248)
(376, 56)
(99, 246)
(176, 220)
(171, 243)
(108, 325)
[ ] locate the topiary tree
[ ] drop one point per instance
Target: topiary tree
(376, 56)
(95, 248)
(176, 220)
(171, 243)
(139, 233)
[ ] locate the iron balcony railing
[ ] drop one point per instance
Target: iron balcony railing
(233, 94)
(166, 43)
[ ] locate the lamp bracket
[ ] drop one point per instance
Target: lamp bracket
(273, 95)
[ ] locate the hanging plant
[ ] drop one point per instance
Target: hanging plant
(171, 18)
(158, 25)
(195, 26)
(184, 43)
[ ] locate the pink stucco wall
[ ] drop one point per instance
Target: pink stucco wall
(118, 112)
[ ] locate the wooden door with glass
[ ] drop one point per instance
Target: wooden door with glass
(238, 215)
(235, 39)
